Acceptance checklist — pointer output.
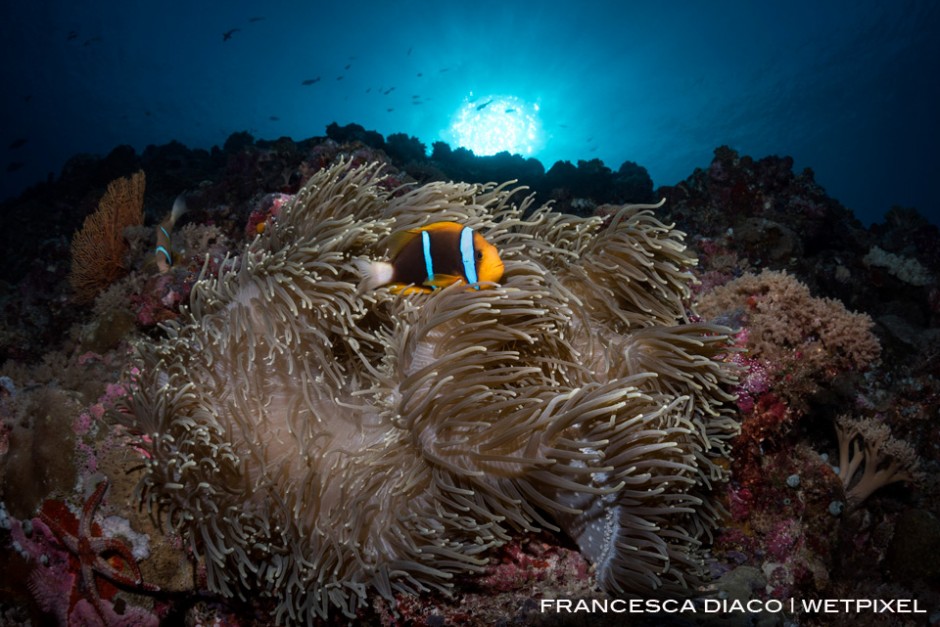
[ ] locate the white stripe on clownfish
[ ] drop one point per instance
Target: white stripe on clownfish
(468, 257)
(426, 248)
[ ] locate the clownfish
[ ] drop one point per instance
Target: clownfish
(162, 254)
(432, 257)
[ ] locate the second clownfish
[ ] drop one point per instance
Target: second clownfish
(435, 256)
(164, 254)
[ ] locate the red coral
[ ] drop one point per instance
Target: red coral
(782, 538)
(265, 214)
(517, 566)
(741, 501)
(768, 422)
(162, 296)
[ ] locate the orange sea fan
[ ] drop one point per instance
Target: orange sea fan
(98, 249)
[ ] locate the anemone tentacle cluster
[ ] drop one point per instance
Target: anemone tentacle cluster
(318, 444)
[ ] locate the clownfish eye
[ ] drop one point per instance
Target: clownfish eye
(479, 255)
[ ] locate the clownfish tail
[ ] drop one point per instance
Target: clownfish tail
(374, 274)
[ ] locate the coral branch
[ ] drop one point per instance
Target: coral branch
(870, 457)
(98, 249)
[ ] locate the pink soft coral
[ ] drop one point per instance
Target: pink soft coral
(804, 342)
(784, 317)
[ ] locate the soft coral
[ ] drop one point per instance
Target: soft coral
(870, 457)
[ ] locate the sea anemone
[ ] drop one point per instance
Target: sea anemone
(317, 444)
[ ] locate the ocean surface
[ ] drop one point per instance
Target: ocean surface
(847, 88)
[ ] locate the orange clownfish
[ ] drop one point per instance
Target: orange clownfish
(163, 253)
(435, 256)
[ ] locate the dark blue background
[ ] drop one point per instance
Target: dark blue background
(848, 88)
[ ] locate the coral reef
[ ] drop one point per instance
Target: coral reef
(782, 316)
(748, 214)
(804, 340)
(780, 523)
(38, 460)
(793, 530)
(906, 269)
(492, 597)
(765, 197)
(96, 558)
(317, 445)
(77, 571)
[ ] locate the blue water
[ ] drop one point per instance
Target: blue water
(848, 88)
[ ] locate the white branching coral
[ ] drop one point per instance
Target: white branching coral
(318, 445)
(870, 458)
(907, 269)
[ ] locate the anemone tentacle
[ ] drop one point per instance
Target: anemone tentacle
(318, 444)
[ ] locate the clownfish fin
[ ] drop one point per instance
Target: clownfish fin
(179, 208)
(408, 290)
(442, 280)
(397, 241)
(374, 274)
(163, 252)
(442, 226)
